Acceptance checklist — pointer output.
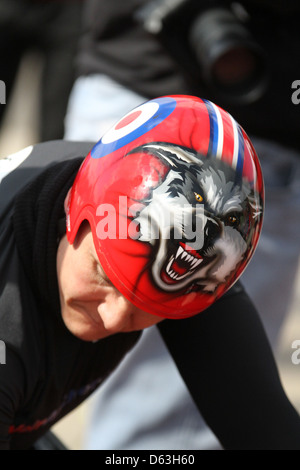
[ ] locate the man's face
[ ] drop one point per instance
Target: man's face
(92, 308)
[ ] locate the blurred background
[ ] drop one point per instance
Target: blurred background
(19, 129)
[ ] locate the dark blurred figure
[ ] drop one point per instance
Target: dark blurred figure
(122, 43)
(51, 27)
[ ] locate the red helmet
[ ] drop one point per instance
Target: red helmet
(174, 197)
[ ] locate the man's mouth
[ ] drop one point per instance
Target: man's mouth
(181, 264)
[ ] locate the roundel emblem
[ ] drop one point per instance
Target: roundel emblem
(136, 123)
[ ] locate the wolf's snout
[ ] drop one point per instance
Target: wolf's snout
(212, 230)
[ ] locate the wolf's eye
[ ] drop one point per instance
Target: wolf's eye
(232, 220)
(198, 197)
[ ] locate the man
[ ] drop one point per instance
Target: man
(140, 50)
(154, 227)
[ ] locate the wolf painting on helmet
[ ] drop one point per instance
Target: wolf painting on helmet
(174, 197)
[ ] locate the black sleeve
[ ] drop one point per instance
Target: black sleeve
(225, 359)
(12, 389)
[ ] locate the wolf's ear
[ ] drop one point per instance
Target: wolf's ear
(172, 155)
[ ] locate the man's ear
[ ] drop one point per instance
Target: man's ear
(67, 199)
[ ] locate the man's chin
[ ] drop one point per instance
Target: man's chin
(82, 326)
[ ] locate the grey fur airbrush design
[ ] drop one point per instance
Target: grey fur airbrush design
(196, 219)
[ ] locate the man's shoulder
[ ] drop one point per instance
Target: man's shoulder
(42, 154)
(59, 150)
(18, 169)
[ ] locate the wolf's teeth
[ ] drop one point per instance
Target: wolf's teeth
(179, 251)
(172, 274)
(184, 254)
(199, 261)
(168, 269)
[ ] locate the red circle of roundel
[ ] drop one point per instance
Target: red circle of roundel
(127, 120)
(136, 123)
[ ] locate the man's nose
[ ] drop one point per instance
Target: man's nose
(116, 313)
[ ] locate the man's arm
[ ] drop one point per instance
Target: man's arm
(12, 388)
(225, 359)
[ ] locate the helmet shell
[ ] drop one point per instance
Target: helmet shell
(174, 196)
